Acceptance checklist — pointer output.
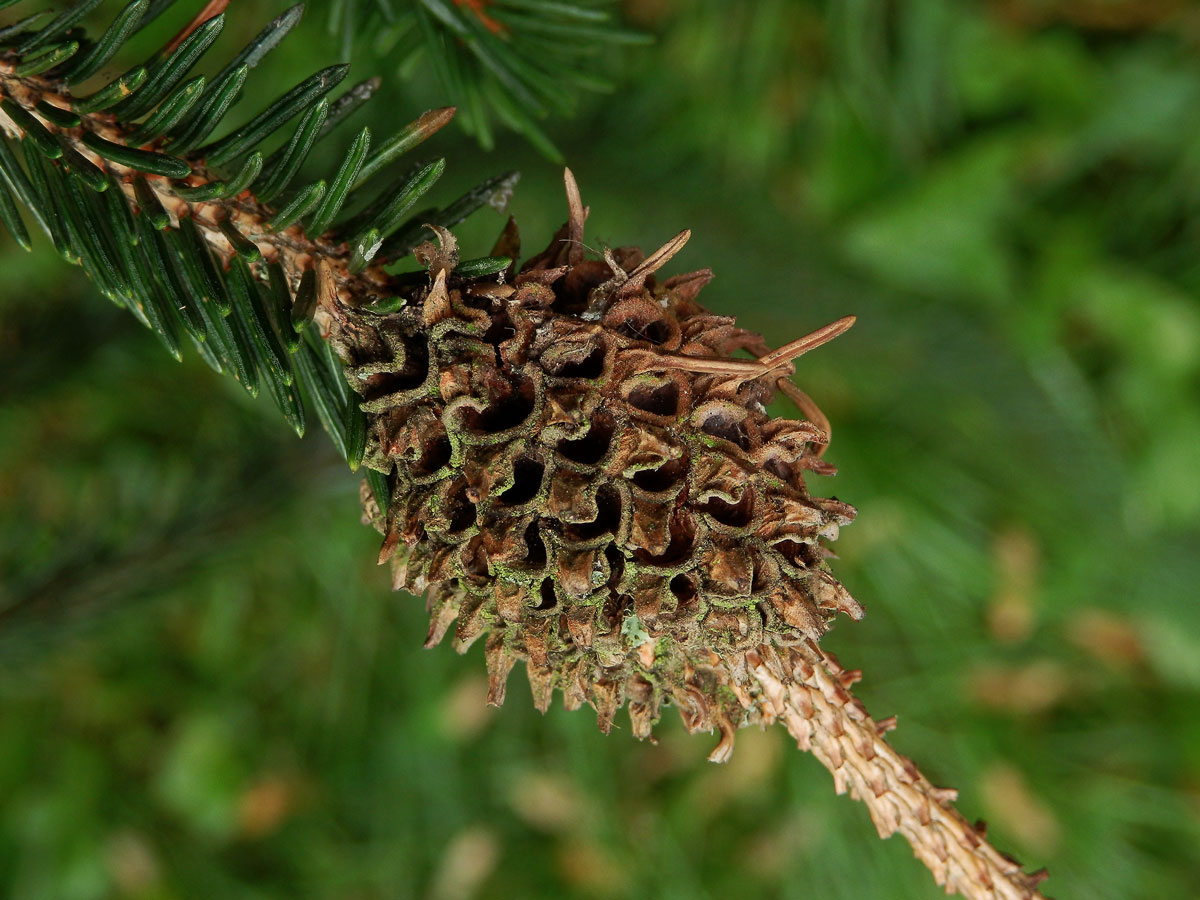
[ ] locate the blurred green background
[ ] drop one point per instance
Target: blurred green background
(207, 689)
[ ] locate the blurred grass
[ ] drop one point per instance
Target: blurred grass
(207, 689)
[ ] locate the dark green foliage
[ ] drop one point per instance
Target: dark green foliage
(494, 192)
(170, 111)
(162, 74)
(35, 132)
(50, 214)
(151, 306)
(396, 206)
(243, 247)
(149, 205)
(113, 92)
(252, 314)
(83, 168)
(305, 304)
(339, 188)
(139, 160)
(298, 206)
(517, 61)
(202, 270)
(56, 115)
(280, 304)
(110, 42)
(167, 268)
(56, 27)
(262, 44)
(289, 105)
(284, 165)
(12, 218)
(90, 242)
(224, 91)
(44, 60)
(347, 104)
(216, 190)
(19, 183)
(169, 279)
(155, 303)
(485, 265)
(227, 84)
(320, 389)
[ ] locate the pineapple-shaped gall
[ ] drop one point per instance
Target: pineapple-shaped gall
(583, 473)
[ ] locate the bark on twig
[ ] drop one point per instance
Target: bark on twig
(808, 691)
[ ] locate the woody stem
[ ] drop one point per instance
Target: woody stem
(808, 691)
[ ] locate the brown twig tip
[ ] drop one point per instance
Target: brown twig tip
(479, 8)
(211, 10)
(433, 121)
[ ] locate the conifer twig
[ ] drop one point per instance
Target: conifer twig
(213, 241)
(807, 690)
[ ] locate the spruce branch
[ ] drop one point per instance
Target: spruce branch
(173, 229)
(569, 458)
